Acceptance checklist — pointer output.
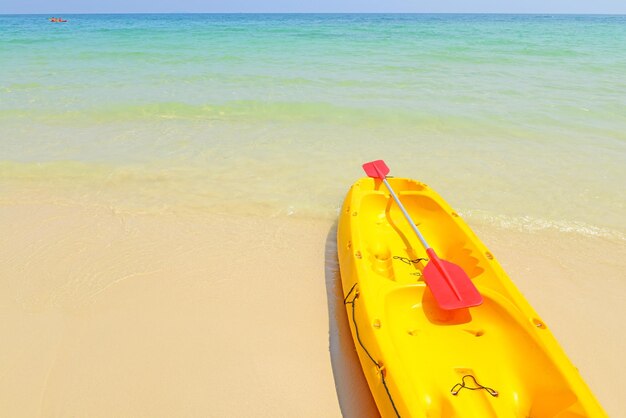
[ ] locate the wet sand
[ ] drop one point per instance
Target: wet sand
(111, 313)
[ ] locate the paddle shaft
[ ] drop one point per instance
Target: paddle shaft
(434, 259)
(406, 214)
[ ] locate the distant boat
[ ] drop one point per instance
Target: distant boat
(57, 19)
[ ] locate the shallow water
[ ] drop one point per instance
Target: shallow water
(518, 121)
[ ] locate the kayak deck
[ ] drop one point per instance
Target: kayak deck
(495, 360)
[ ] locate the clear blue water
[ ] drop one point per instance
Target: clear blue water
(515, 119)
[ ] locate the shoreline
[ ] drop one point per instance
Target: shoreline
(161, 314)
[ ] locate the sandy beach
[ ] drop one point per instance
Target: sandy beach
(127, 315)
(111, 313)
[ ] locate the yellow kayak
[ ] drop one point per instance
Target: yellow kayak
(497, 359)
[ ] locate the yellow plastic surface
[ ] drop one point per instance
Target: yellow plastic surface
(419, 353)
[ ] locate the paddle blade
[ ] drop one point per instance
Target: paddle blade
(376, 169)
(450, 285)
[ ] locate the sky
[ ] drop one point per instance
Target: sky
(312, 6)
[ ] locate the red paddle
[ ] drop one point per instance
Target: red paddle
(450, 285)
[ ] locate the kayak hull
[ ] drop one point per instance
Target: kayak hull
(498, 359)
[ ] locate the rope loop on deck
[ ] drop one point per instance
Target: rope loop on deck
(477, 386)
(407, 260)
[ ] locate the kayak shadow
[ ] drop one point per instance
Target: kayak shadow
(353, 394)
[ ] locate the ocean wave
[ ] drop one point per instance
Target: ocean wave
(237, 110)
(12, 87)
(254, 111)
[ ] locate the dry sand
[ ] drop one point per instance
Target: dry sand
(105, 313)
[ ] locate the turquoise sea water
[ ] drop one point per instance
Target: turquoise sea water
(518, 120)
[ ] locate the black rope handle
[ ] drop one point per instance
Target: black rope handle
(477, 386)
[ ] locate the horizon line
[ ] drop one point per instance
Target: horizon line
(329, 13)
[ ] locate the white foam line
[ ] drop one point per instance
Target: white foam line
(531, 224)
